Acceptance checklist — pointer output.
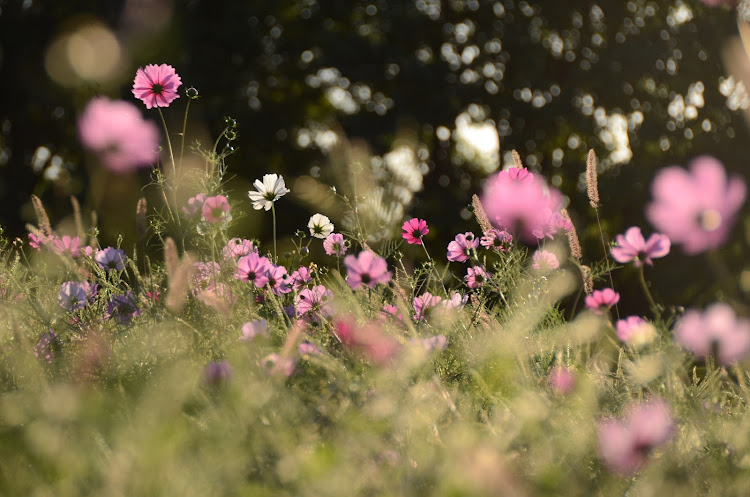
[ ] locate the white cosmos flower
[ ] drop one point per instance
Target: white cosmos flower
(268, 191)
(320, 226)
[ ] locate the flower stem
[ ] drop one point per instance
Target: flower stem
(647, 292)
(606, 257)
(433, 268)
(273, 213)
(184, 127)
(174, 170)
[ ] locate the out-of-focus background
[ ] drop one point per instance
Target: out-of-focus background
(427, 97)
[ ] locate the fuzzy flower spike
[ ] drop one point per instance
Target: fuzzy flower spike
(268, 191)
(156, 85)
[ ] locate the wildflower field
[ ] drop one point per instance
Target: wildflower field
(358, 356)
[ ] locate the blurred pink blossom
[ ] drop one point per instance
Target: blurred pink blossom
(115, 131)
(625, 443)
(216, 209)
(696, 209)
(601, 300)
(366, 269)
(718, 330)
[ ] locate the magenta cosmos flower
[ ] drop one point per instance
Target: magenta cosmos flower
(696, 209)
(115, 131)
(544, 260)
(496, 240)
(366, 269)
(414, 230)
(314, 303)
(632, 247)
(423, 304)
(215, 209)
(635, 331)
(460, 248)
(476, 276)
(522, 203)
(717, 330)
(624, 444)
(156, 85)
(600, 301)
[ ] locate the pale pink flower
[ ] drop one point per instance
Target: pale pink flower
(253, 329)
(252, 268)
(111, 258)
(369, 340)
(67, 246)
(633, 247)
(115, 131)
(366, 269)
(521, 202)
(308, 349)
(600, 301)
(156, 85)
(545, 260)
(414, 230)
(423, 304)
(717, 330)
(556, 223)
(392, 311)
(36, 242)
(562, 380)
(456, 301)
(624, 444)
(72, 296)
(459, 250)
(334, 244)
(194, 205)
(301, 277)
(696, 209)
(215, 209)
(476, 277)
(314, 303)
(635, 331)
(432, 344)
(238, 247)
(278, 279)
(496, 240)
(280, 366)
(205, 277)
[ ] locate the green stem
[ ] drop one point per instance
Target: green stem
(184, 127)
(606, 257)
(174, 170)
(273, 213)
(647, 292)
(432, 267)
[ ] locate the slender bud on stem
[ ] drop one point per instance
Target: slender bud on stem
(592, 187)
(517, 160)
(573, 242)
(482, 219)
(588, 281)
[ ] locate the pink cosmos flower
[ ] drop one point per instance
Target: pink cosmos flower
(496, 240)
(369, 340)
(215, 209)
(300, 278)
(252, 268)
(206, 276)
(111, 258)
(456, 301)
(36, 242)
(633, 247)
(414, 230)
(460, 248)
(72, 296)
(278, 279)
(717, 330)
(696, 209)
(476, 276)
(279, 366)
(624, 444)
(521, 202)
(313, 303)
(431, 344)
(635, 331)
(116, 133)
(194, 206)
(390, 310)
(562, 380)
(366, 269)
(555, 224)
(308, 349)
(46, 346)
(423, 304)
(545, 260)
(334, 244)
(238, 247)
(254, 329)
(156, 85)
(602, 300)
(67, 246)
